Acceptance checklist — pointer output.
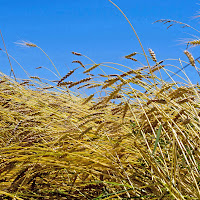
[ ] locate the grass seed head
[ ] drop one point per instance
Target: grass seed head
(133, 59)
(26, 44)
(77, 54)
(78, 61)
(88, 99)
(81, 81)
(82, 86)
(66, 76)
(193, 42)
(109, 82)
(35, 77)
(91, 68)
(130, 55)
(190, 57)
(153, 55)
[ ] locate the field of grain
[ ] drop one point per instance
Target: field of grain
(128, 135)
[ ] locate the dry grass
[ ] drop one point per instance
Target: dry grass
(60, 146)
(134, 136)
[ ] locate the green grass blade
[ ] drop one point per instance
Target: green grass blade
(157, 138)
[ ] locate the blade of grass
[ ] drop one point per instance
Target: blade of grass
(157, 138)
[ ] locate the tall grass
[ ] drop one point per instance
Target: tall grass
(129, 135)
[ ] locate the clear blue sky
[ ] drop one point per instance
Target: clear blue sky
(93, 27)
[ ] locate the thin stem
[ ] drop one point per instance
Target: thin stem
(17, 63)
(8, 56)
(50, 60)
(137, 39)
(133, 30)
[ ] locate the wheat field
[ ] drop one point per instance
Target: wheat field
(128, 135)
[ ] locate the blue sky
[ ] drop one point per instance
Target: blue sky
(93, 27)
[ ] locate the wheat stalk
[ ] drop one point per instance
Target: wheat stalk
(78, 61)
(66, 76)
(190, 57)
(130, 55)
(109, 82)
(153, 55)
(77, 54)
(88, 99)
(193, 42)
(91, 68)
(79, 82)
